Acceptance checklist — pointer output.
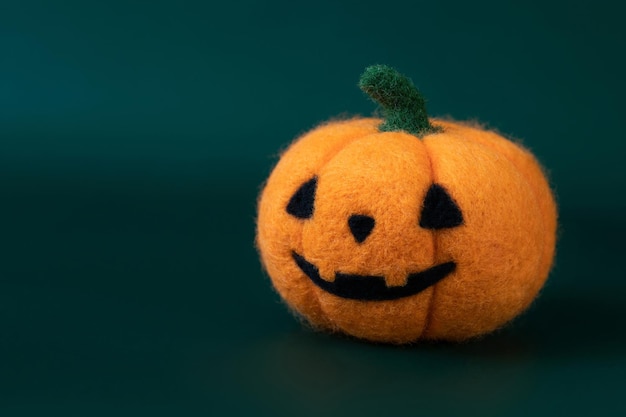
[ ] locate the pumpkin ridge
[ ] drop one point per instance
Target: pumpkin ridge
(535, 195)
(533, 190)
(525, 178)
(312, 290)
(431, 301)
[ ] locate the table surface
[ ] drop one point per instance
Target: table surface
(133, 143)
(124, 297)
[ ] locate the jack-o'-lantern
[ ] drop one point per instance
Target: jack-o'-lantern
(406, 228)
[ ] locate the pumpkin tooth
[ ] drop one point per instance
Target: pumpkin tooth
(396, 278)
(327, 272)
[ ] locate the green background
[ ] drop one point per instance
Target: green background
(134, 137)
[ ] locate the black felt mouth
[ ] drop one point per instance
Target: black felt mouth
(373, 287)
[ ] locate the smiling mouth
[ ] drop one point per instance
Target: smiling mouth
(373, 287)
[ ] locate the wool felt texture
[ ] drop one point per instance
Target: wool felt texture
(503, 250)
(498, 251)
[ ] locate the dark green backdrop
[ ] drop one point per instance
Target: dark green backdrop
(134, 137)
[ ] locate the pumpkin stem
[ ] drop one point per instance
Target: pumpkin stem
(403, 106)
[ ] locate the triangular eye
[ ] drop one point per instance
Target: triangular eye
(440, 211)
(301, 203)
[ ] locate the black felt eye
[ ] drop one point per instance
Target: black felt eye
(301, 203)
(440, 211)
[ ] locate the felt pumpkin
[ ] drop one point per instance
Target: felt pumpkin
(406, 228)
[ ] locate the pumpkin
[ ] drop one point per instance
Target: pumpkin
(406, 228)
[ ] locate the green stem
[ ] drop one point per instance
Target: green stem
(403, 106)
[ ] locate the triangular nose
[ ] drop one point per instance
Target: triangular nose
(361, 226)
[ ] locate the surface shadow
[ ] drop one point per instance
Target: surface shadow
(563, 325)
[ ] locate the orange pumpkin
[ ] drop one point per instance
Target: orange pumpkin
(406, 228)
